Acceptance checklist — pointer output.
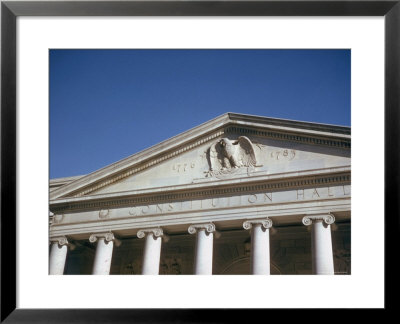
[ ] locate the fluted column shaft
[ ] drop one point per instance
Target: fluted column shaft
(321, 243)
(104, 250)
(58, 255)
(260, 250)
(152, 250)
(204, 248)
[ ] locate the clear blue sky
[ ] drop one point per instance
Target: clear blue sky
(108, 104)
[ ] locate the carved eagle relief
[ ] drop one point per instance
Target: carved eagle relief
(226, 156)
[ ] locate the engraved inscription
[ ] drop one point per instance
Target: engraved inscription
(239, 200)
(214, 202)
(268, 196)
(250, 200)
(103, 213)
(315, 193)
(58, 218)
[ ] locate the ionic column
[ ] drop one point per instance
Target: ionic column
(321, 243)
(259, 258)
(204, 247)
(104, 250)
(152, 249)
(58, 255)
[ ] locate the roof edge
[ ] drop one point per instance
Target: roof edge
(291, 123)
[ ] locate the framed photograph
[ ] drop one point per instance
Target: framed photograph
(205, 141)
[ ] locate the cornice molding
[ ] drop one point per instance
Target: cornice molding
(293, 137)
(279, 122)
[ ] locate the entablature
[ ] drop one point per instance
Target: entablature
(208, 189)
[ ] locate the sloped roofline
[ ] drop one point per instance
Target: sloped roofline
(209, 127)
(291, 123)
(64, 180)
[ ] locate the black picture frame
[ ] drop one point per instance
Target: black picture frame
(10, 10)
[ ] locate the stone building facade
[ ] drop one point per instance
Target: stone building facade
(239, 194)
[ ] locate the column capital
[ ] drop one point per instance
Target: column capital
(156, 232)
(61, 240)
(327, 218)
(51, 217)
(108, 237)
(264, 222)
(208, 227)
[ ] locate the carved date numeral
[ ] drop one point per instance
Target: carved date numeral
(182, 167)
(283, 155)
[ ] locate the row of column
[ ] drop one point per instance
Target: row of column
(321, 245)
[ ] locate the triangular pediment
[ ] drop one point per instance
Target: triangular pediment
(279, 146)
